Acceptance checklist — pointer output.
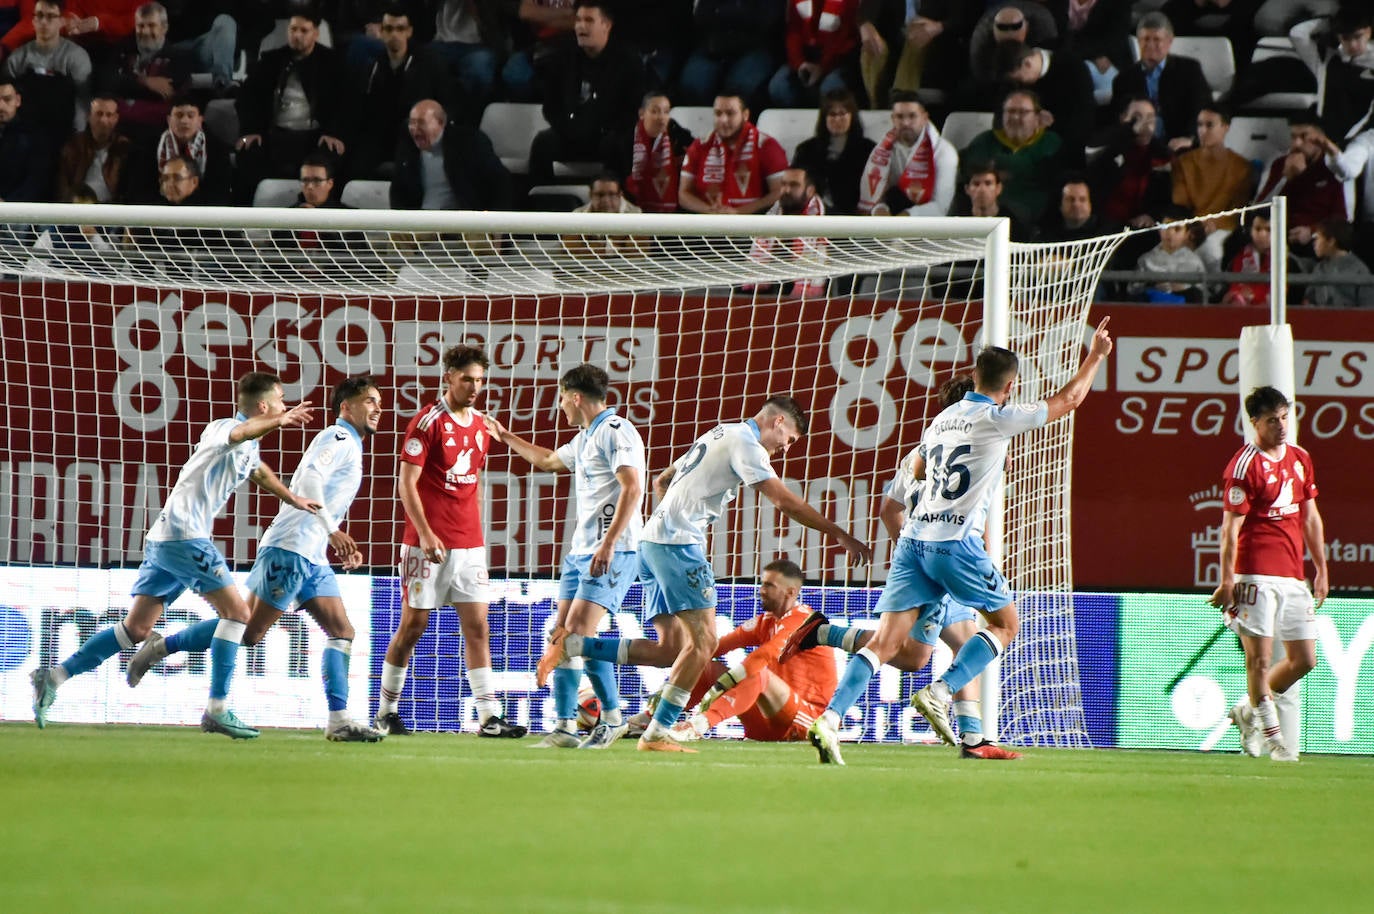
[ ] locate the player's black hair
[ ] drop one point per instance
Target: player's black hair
(953, 390)
(348, 389)
(456, 357)
(994, 368)
(1264, 400)
(255, 385)
(587, 380)
(788, 569)
(791, 409)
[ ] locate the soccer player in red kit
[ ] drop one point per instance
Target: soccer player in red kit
(1269, 515)
(443, 552)
(775, 701)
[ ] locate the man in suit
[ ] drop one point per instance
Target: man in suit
(1174, 83)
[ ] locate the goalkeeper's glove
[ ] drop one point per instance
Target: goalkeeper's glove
(727, 681)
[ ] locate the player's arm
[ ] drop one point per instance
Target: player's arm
(310, 482)
(541, 457)
(893, 514)
(1314, 538)
(796, 508)
(1071, 395)
(742, 637)
(1222, 597)
(408, 489)
(626, 507)
(258, 426)
(263, 477)
(663, 480)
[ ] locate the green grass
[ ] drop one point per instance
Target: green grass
(169, 819)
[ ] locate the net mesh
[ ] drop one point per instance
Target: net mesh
(126, 340)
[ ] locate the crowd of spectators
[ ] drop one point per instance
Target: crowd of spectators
(1097, 124)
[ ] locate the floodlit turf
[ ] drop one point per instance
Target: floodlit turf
(168, 819)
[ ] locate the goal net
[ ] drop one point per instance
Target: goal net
(125, 329)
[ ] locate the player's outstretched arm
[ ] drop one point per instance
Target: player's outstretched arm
(1223, 598)
(265, 479)
(796, 508)
(1314, 538)
(1071, 395)
(541, 457)
(258, 426)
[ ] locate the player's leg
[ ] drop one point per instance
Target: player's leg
(699, 627)
(959, 627)
(470, 594)
(325, 605)
(421, 581)
(233, 613)
(1256, 606)
(566, 674)
(1295, 626)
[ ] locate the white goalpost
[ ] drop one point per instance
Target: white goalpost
(125, 328)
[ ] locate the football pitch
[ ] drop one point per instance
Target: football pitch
(170, 819)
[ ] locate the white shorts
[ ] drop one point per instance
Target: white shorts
(460, 578)
(1273, 607)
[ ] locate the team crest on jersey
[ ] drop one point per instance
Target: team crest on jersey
(327, 458)
(1235, 496)
(414, 447)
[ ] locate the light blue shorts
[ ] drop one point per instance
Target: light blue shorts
(171, 566)
(607, 591)
(931, 622)
(676, 578)
(281, 577)
(923, 573)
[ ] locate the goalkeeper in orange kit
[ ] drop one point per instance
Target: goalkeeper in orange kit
(775, 701)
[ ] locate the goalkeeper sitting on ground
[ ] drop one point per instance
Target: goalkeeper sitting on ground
(775, 701)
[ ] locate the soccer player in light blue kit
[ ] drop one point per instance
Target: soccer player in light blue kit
(941, 547)
(179, 554)
(607, 455)
(953, 623)
(674, 570)
(293, 565)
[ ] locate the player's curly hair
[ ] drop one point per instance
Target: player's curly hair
(1263, 400)
(348, 389)
(456, 357)
(953, 390)
(587, 380)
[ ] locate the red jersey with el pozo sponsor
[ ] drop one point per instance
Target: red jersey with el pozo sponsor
(1270, 493)
(449, 454)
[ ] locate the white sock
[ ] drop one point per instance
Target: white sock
(699, 723)
(832, 717)
(567, 725)
(58, 675)
(940, 691)
(337, 718)
(1267, 717)
(483, 694)
(230, 630)
(216, 706)
(655, 730)
(393, 682)
(612, 717)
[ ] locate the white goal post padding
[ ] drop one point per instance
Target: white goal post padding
(127, 336)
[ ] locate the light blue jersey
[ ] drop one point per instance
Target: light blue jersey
(965, 452)
(206, 481)
(594, 455)
(330, 472)
(706, 479)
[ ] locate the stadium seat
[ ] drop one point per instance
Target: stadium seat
(277, 37)
(581, 170)
(960, 127)
(511, 127)
(361, 194)
(699, 119)
(1259, 139)
(789, 126)
(581, 191)
(876, 123)
(276, 192)
(222, 121)
(1267, 49)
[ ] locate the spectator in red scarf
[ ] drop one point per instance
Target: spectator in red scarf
(651, 155)
(736, 169)
(911, 172)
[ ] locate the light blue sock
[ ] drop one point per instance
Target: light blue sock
(970, 718)
(565, 682)
(607, 649)
(98, 648)
(602, 675)
(854, 682)
(193, 639)
(224, 652)
(671, 701)
(334, 666)
(977, 652)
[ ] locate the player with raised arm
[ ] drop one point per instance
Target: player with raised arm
(674, 570)
(1269, 513)
(179, 553)
(292, 566)
(443, 552)
(953, 623)
(941, 547)
(607, 456)
(775, 700)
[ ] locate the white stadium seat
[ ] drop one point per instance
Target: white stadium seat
(699, 119)
(960, 127)
(1259, 139)
(789, 126)
(276, 192)
(511, 127)
(367, 194)
(876, 123)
